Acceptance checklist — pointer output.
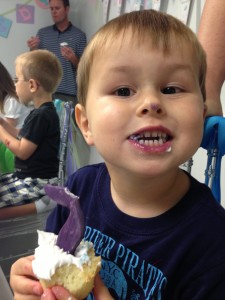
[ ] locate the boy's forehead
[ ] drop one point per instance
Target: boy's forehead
(124, 51)
(130, 40)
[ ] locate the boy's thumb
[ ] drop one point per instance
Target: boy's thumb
(100, 291)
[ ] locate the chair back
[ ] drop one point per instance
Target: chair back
(214, 142)
(64, 110)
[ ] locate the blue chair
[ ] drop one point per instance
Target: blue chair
(214, 142)
(65, 110)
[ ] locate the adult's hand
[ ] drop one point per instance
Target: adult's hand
(68, 54)
(33, 42)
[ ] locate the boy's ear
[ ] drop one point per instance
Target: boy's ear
(33, 85)
(83, 124)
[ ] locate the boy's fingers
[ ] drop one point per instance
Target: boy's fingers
(25, 297)
(22, 278)
(48, 295)
(100, 290)
(61, 293)
(27, 290)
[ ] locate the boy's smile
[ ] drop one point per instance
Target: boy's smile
(152, 140)
(144, 109)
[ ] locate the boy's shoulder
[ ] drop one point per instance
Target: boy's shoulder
(89, 172)
(204, 209)
(93, 167)
(87, 176)
(45, 114)
(46, 106)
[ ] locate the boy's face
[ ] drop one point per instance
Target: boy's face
(22, 87)
(144, 110)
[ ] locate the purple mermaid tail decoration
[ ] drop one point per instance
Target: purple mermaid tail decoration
(72, 231)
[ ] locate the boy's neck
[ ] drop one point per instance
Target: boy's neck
(39, 101)
(152, 198)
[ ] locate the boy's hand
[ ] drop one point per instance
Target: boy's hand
(100, 290)
(59, 293)
(23, 281)
(26, 286)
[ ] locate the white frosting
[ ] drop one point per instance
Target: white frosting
(48, 256)
(64, 44)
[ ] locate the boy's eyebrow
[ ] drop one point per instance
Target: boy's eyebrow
(121, 68)
(180, 67)
(171, 66)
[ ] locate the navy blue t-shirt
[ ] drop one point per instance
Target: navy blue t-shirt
(178, 255)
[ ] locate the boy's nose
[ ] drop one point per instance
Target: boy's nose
(151, 106)
(155, 107)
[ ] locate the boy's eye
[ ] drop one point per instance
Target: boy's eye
(123, 92)
(171, 90)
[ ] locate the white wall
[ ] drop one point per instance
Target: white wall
(88, 15)
(15, 43)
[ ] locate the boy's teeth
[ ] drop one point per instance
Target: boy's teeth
(155, 134)
(146, 137)
(151, 142)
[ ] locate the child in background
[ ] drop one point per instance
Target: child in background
(11, 109)
(13, 112)
(160, 232)
(36, 144)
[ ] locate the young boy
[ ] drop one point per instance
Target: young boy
(160, 232)
(36, 144)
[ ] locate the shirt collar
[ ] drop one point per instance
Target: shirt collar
(56, 28)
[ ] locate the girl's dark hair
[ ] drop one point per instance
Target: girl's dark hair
(7, 87)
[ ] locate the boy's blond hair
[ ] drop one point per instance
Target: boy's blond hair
(42, 66)
(161, 30)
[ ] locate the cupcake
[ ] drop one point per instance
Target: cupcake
(66, 260)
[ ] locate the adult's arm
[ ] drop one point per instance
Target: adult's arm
(212, 37)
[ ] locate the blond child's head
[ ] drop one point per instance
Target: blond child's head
(162, 31)
(141, 92)
(42, 66)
